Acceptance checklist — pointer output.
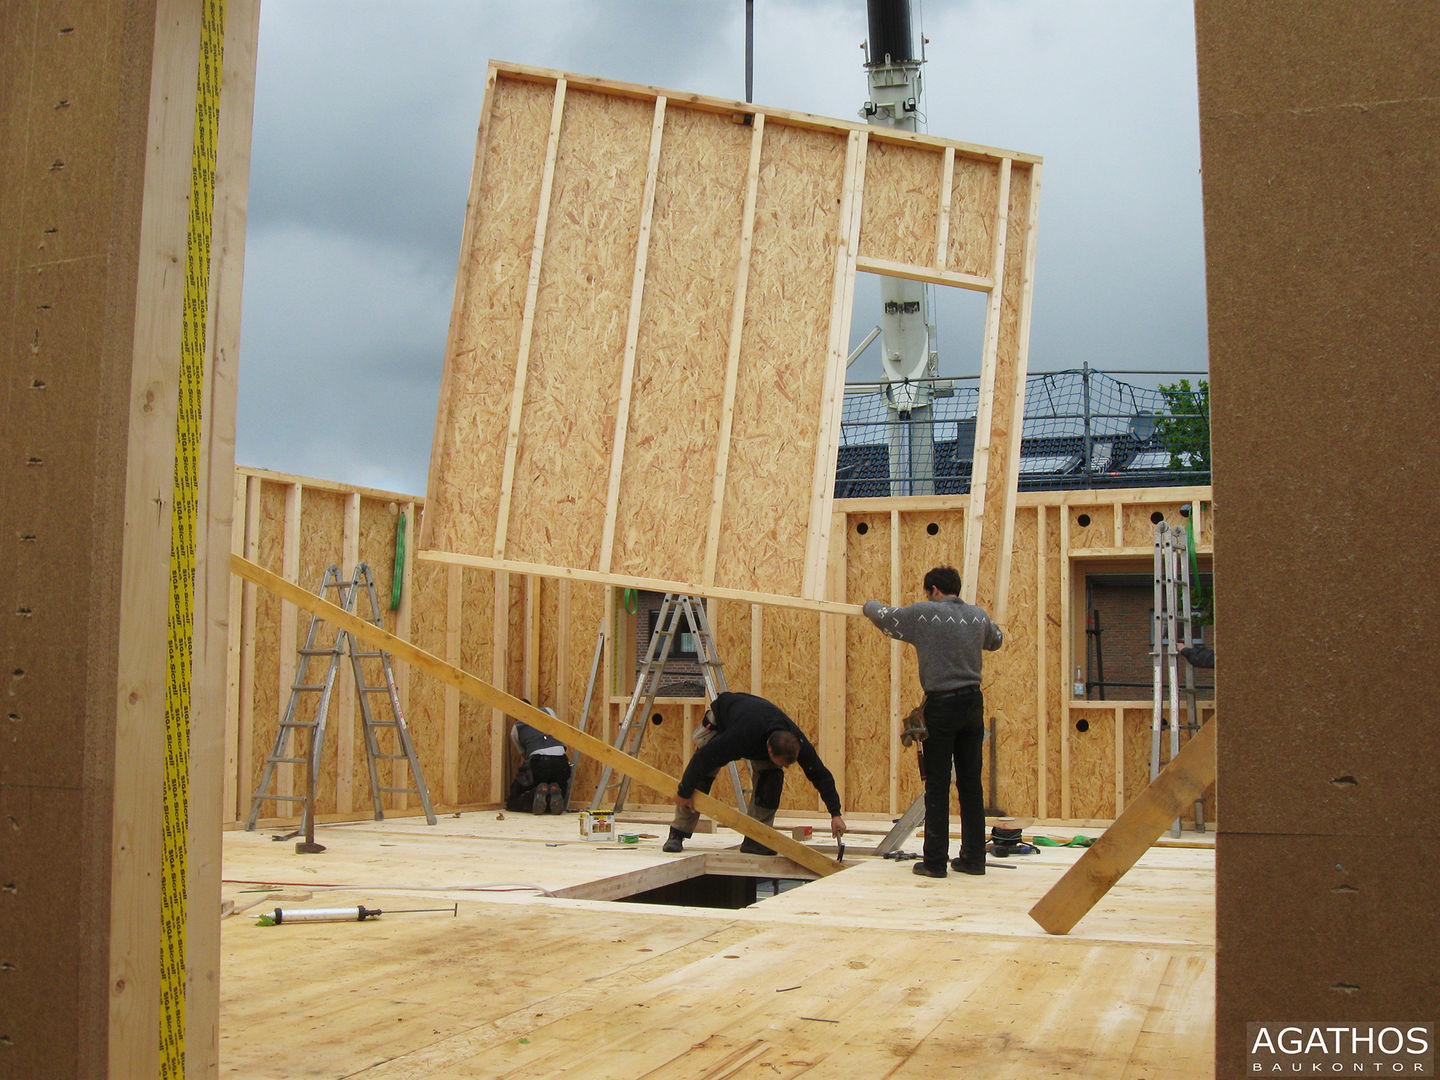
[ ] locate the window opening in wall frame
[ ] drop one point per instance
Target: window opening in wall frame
(1113, 628)
(638, 614)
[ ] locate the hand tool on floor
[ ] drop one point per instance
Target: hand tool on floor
(359, 913)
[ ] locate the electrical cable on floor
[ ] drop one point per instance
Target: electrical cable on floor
(492, 886)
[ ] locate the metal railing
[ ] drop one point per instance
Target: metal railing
(1083, 428)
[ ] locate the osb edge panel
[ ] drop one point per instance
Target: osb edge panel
(900, 216)
(1011, 696)
(379, 521)
(1009, 383)
(676, 410)
(425, 715)
(790, 652)
(867, 667)
(322, 520)
(486, 337)
(974, 193)
(1057, 686)
(783, 359)
(477, 644)
(1138, 738)
(1092, 763)
(266, 702)
(731, 621)
(1139, 530)
(1098, 530)
(662, 749)
(562, 468)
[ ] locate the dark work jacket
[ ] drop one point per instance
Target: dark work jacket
(743, 723)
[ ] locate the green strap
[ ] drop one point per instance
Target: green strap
(399, 565)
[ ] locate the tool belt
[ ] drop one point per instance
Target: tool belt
(913, 729)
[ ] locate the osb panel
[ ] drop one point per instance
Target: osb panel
(1138, 736)
(426, 713)
(676, 406)
(465, 477)
(1009, 384)
(784, 354)
(974, 195)
(901, 214)
(379, 521)
(562, 469)
(515, 655)
(790, 651)
(587, 611)
(662, 748)
(266, 702)
(1092, 764)
(1091, 526)
(547, 610)
(477, 643)
(920, 551)
(730, 619)
(1139, 529)
(322, 524)
(1057, 684)
(1010, 696)
(867, 668)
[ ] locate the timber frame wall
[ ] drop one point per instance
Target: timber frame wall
(845, 683)
(645, 368)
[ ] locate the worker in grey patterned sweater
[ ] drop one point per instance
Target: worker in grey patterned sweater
(949, 636)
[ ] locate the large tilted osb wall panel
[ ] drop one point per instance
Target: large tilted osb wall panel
(646, 353)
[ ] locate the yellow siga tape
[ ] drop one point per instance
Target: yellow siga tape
(183, 516)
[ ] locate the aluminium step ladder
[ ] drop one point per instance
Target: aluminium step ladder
(675, 609)
(301, 741)
(1171, 625)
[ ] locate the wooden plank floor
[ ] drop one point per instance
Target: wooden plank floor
(872, 972)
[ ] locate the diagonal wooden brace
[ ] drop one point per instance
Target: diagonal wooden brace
(1106, 861)
(573, 737)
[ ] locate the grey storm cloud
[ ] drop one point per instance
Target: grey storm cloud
(365, 122)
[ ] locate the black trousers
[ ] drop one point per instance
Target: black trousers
(956, 722)
(538, 769)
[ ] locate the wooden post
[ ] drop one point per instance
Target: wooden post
(1179, 784)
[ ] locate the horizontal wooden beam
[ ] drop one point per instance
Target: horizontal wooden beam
(1105, 862)
(742, 109)
(468, 684)
(686, 588)
(911, 272)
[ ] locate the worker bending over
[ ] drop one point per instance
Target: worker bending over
(745, 726)
(542, 783)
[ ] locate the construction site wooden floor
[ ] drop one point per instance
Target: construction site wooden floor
(872, 972)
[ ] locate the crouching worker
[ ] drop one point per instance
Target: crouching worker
(542, 783)
(745, 726)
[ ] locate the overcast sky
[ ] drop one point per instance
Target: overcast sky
(365, 120)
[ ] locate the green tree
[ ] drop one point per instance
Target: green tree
(1184, 427)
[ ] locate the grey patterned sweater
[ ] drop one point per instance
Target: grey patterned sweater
(948, 636)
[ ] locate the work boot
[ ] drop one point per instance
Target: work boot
(968, 866)
(754, 847)
(540, 801)
(556, 799)
(927, 871)
(675, 841)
